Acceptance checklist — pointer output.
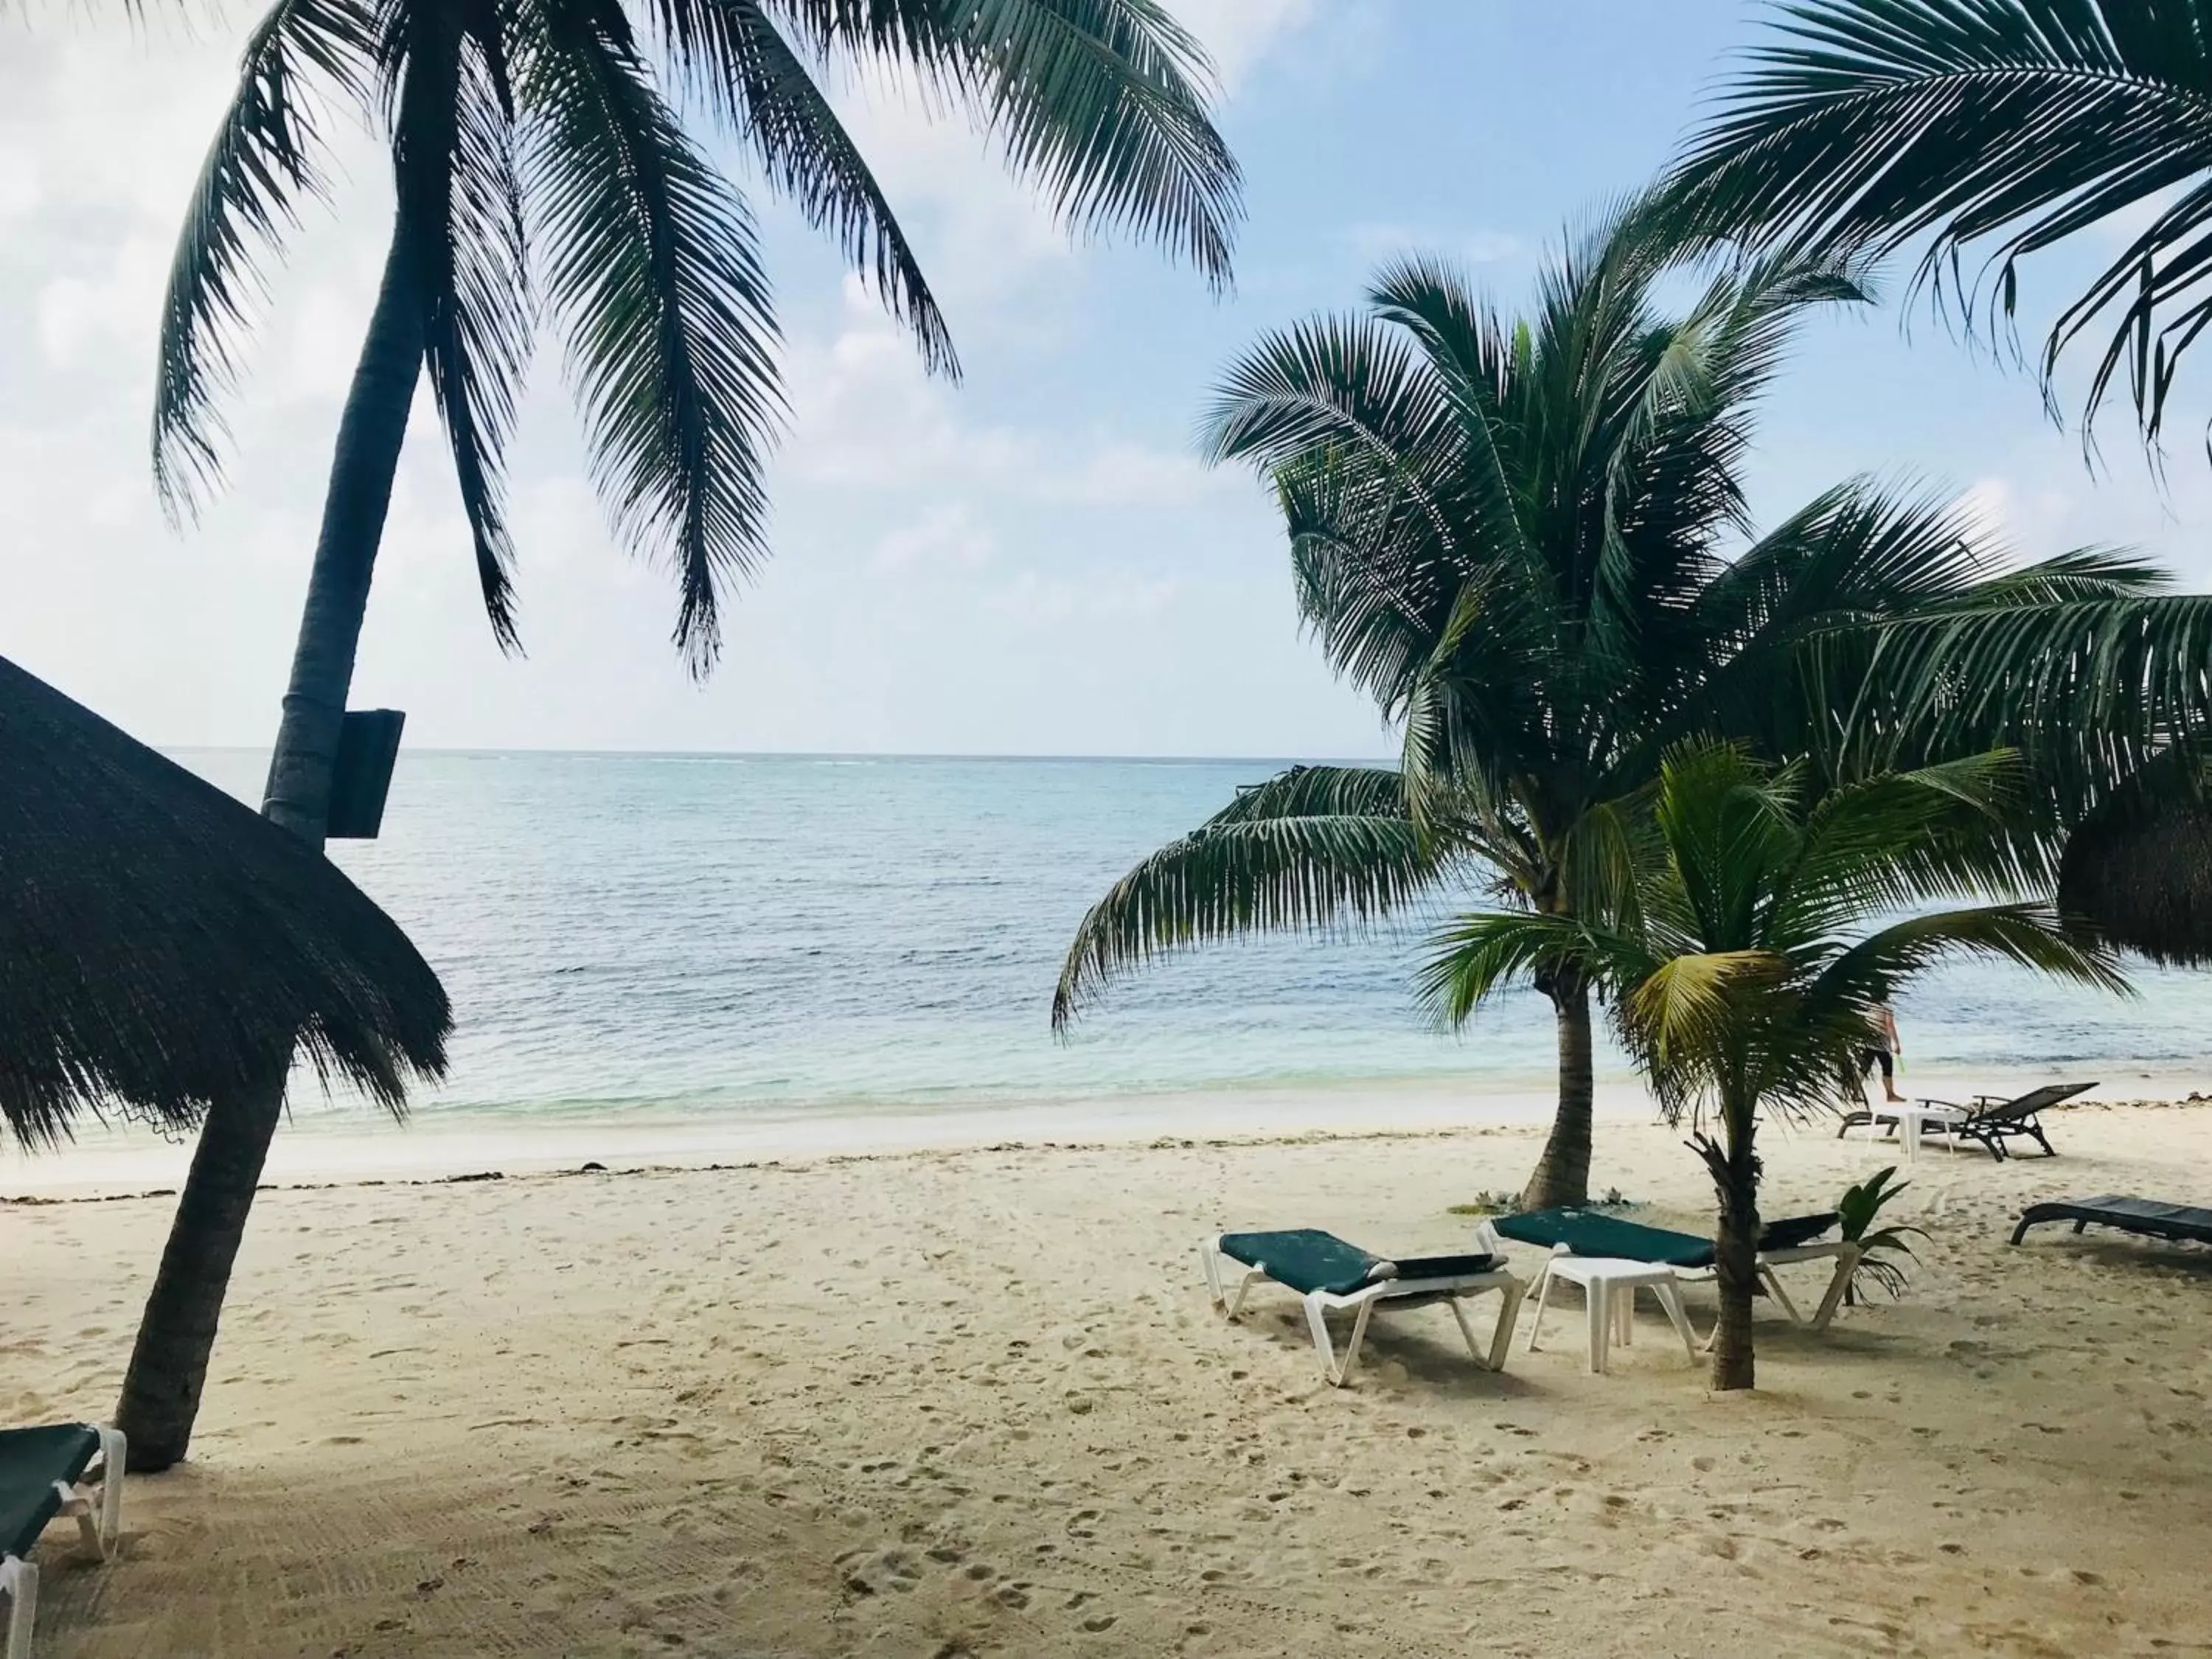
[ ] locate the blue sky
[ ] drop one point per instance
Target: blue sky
(1031, 563)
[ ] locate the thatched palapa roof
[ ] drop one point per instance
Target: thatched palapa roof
(2138, 870)
(163, 946)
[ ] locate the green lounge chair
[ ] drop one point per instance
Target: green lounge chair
(42, 1475)
(1330, 1275)
(1592, 1233)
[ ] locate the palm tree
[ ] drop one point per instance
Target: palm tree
(1744, 977)
(1518, 536)
(538, 155)
(2006, 126)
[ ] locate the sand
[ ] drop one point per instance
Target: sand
(974, 1402)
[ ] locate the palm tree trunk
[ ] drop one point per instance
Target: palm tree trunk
(1562, 1176)
(370, 433)
(1735, 1246)
(168, 1365)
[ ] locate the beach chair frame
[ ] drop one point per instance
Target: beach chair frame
(1387, 1291)
(1845, 1253)
(96, 1505)
(1992, 1120)
(1989, 1121)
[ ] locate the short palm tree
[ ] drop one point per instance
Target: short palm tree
(539, 158)
(1524, 539)
(2004, 125)
(1745, 976)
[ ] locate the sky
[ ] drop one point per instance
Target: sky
(1032, 562)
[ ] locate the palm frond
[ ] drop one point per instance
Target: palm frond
(1307, 792)
(1103, 103)
(654, 267)
(450, 108)
(2011, 125)
(734, 57)
(1682, 1009)
(1475, 955)
(1871, 971)
(1247, 874)
(264, 159)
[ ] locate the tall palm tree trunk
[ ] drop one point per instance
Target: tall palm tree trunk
(1562, 1176)
(1734, 1167)
(168, 1365)
(370, 433)
(169, 1362)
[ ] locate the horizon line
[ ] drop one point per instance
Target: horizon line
(489, 751)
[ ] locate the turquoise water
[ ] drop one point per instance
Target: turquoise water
(717, 934)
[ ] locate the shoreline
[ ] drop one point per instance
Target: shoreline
(342, 1145)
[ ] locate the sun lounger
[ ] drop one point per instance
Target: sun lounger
(2146, 1216)
(1330, 1275)
(1991, 1120)
(1592, 1233)
(42, 1475)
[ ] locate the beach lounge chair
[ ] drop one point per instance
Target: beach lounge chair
(1330, 1275)
(1592, 1233)
(2146, 1216)
(1992, 1120)
(43, 1474)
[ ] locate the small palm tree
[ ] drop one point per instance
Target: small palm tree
(1520, 536)
(2006, 125)
(1744, 977)
(539, 160)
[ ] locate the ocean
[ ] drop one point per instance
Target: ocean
(713, 936)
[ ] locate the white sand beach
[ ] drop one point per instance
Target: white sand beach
(973, 1403)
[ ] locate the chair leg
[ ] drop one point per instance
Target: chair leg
(1670, 1298)
(1772, 1280)
(1597, 1311)
(114, 1454)
(1543, 1296)
(1847, 1263)
(1317, 1327)
(1509, 1311)
(1209, 1263)
(20, 1579)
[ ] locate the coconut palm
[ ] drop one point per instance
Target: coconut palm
(540, 158)
(1524, 538)
(2007, 126)
(535, 143)
(1746, 976)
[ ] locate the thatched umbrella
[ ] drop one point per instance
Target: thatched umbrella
(163, 946)
(164, 952)
(2138, 871)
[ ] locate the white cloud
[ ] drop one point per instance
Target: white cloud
(1118, 596)
(866, 417)
(1238, 34)
(946, 536)
(116, 305)
(1375, 241)
(19, 182)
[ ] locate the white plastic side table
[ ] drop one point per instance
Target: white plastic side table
(1609, 1286)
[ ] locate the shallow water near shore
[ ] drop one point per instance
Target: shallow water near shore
(712, 953)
